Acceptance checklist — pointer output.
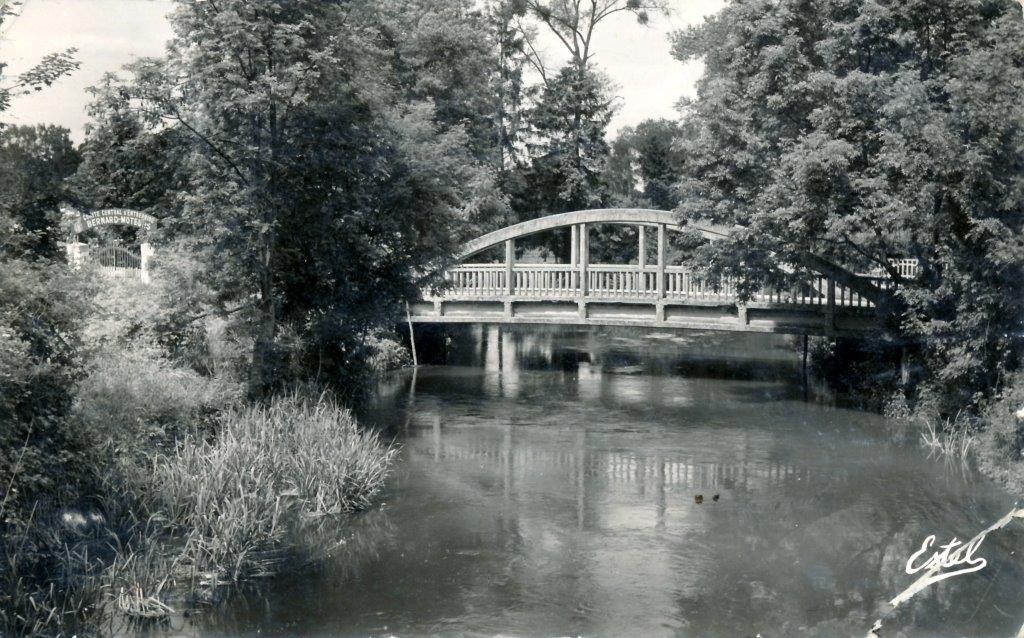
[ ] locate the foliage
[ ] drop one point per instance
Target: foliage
(125, 163)
(134, 403)
(568, 125)
(646, 163)
(34, 160)
(51, 584)
(173, 313)
(48, 70)
(326, 169)
(1001, 443)
(42, 308)
(273, 469)
(386, 354)
(839, 134)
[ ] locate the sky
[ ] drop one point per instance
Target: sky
(111, 33)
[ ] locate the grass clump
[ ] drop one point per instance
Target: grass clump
(242, 499)
(135, 402)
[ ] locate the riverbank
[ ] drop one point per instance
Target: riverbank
(161, 487)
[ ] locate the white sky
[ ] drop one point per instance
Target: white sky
(110, 33)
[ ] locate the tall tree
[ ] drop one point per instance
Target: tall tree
(568, 147)
(574, 24)
(646, 163)
(319, 186)
(844, 133)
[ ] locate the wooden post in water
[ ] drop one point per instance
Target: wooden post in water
(412, 337)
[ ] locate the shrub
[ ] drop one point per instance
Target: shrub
(42, 309)
(1001, 444)
(386, 354)
(242, 498)
(135, 402)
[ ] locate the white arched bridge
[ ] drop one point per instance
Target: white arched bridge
(653, 295)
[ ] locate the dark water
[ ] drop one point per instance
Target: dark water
(547, 486)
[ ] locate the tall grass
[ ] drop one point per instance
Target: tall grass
(136, 402)
(952, 439)
(241, 500)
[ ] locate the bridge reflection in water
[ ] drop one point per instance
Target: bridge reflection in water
(557, 484)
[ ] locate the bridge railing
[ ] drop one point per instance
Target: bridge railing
(604, 281)
(545, 280)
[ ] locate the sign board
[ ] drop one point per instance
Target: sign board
(125, 216)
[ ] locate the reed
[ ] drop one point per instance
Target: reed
(241, 499)
(950, 439)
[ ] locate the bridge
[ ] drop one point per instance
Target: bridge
(650, 295)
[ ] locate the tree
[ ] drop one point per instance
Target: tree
(507, 33)
(42, 305)
(34, 160)
(568, 145)
(126, 162)
(321, 183)
(646, 163)
(841, 134)
(574, 24)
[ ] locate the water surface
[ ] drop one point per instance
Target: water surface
(548, 486)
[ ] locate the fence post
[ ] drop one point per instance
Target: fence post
(145, 253)
(641, 280)
(77, 253)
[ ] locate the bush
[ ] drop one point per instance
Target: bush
(42, 309)
(242, 499)
(135, 403)
(386, 354)
(1001, 444)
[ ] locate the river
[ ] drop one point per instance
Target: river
(601, 484)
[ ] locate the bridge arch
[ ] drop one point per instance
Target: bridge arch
(632, 216)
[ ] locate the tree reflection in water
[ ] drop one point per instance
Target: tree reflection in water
(547, 486)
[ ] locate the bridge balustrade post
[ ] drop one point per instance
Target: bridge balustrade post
(641, 280)
(584, 258)
(574, 249)
(661, 261)
(510, 258)
(642, 246)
